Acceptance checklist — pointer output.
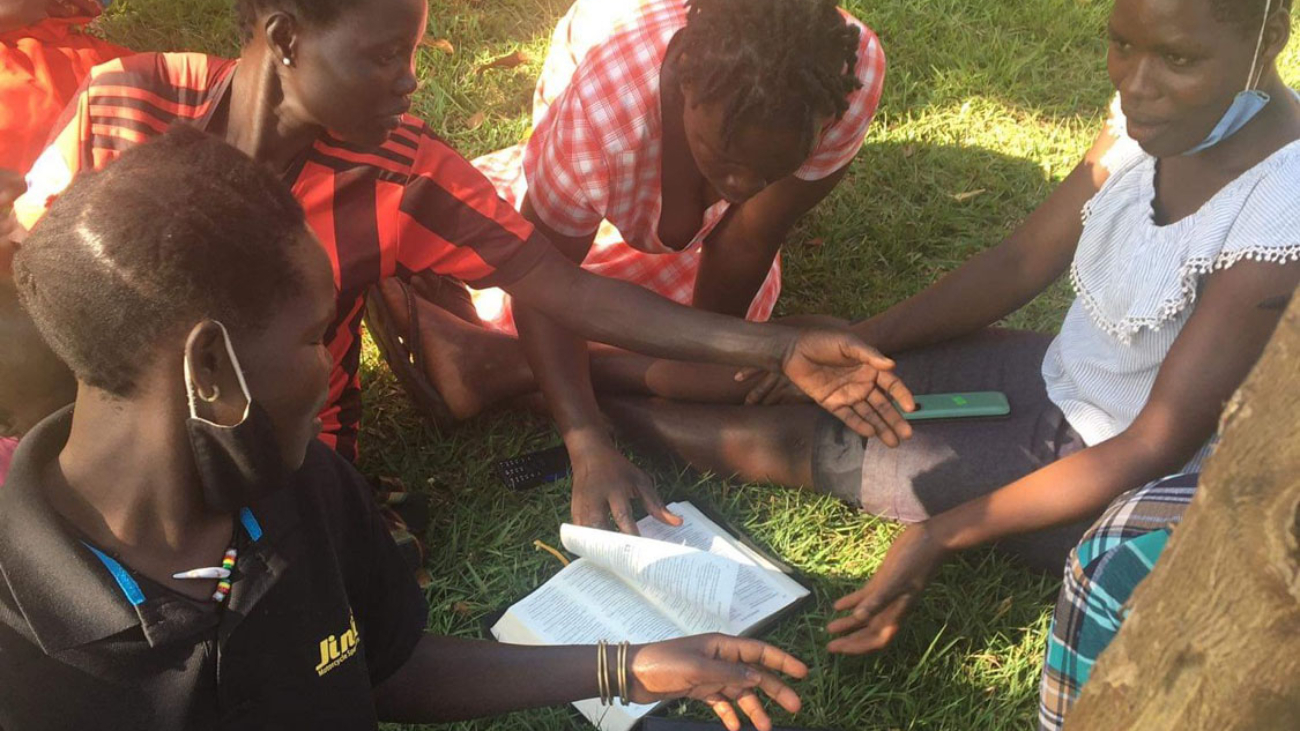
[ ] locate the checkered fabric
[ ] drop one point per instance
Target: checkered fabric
(593, 161)
(1115, 555)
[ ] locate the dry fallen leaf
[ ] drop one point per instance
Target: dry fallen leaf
(475, 120)
(462, 608)
(508, 61)
(440, 44)
(909, 150)
(963, 197)
(815, 242)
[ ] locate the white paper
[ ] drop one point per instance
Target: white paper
(671, 582)
(692, 587)
(761, 589)
(562, 612)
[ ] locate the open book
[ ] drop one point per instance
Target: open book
(670, 582)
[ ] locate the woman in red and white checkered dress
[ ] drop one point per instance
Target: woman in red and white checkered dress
(613, 170)
(674, 145)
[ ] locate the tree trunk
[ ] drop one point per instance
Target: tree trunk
(1213, 640)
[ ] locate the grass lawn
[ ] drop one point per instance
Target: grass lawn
(994, 99)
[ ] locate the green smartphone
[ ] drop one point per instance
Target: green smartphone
(973, 405)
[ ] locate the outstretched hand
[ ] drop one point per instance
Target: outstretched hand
(851, 380)
(877, 609)
(719, 670)
(605, 483)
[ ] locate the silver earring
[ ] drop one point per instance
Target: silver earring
(287, 62)
(216, 394)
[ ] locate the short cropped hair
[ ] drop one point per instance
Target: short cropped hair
(178, 229)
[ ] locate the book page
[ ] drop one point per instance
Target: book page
(702, 578)
(761, 588)
(583, 604)
(692, 587)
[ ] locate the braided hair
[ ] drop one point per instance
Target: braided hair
(178, 229)
(786, 62)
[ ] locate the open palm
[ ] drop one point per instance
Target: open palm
(719, 670)
(851, 380)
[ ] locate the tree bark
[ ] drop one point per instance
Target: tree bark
(1213, 639)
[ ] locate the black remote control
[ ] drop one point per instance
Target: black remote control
(534, 469)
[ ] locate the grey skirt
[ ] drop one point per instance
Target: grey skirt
(948, 463)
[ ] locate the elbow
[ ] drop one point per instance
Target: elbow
(1156, 451)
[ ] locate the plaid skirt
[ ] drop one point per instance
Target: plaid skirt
(1115, 555)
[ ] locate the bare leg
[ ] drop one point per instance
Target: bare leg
(754, 443)
(470, 366)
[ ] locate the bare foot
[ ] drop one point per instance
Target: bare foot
(471, 367)
(446, 292)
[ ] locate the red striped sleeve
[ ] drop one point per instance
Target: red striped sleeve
(62, 159)
(121, 103)
(452, 221)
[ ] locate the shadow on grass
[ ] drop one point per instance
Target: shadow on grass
(967, 658)
(1045, 57)
(904, 215)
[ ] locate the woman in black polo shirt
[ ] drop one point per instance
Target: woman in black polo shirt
(184, 290)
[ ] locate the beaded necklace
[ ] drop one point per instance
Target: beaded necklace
(221, 573)
(223, 585)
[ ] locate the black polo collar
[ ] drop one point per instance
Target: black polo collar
(68, 594)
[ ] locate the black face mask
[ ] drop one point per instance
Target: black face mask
(237, 465)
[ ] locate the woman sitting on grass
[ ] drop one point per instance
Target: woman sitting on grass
(186, 292)
(675, 144)
(1181, 233)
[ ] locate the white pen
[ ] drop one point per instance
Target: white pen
(214, 572)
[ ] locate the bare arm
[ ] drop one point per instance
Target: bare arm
(604, 481)
(450, 679)
(625, 315)
(1000, 280)
(737, 256)
(841, 373)
(559, 357)
(736, 260)
(1211, 357)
